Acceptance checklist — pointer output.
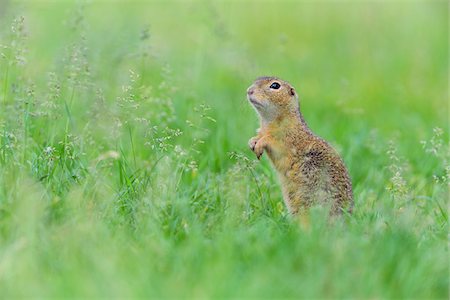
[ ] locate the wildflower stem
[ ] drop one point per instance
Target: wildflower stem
(67, 107)
(263, 202)
(25, 132)
(5, 87)
(132, 145)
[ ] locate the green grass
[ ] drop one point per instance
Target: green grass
(124, 168)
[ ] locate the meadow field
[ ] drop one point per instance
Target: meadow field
(124, 166)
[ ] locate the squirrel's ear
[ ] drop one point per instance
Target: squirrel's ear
(292, 91)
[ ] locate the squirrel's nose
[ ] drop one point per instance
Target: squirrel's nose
(250, 91)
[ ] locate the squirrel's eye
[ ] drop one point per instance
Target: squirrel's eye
(275, 86)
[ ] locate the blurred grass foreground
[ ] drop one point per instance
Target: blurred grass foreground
(124, 168)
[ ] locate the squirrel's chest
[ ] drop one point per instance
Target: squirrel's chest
(283, 157)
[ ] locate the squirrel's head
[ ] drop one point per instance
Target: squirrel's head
(273, 98)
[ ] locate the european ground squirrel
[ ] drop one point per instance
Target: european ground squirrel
(310, 170)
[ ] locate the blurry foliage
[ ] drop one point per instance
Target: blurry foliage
(124, 168)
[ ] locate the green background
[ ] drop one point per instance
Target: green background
(124, 167)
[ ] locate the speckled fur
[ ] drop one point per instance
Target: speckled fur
(310, 170)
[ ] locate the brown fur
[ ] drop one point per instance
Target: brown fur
(310, 170)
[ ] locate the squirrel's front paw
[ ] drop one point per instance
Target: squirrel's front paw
(257, 145)
(259, 149)
(252, 143)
